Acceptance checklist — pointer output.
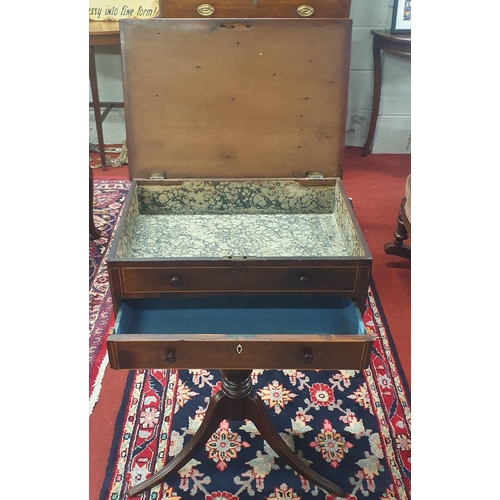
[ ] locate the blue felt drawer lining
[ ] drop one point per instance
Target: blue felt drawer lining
(237, 315)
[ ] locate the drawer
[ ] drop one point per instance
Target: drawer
(143, 281)
(248, 9)
(238, 332)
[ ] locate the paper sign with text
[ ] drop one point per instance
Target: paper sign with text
(114, 10)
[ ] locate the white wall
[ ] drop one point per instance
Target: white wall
(109, 81)
(392, 134)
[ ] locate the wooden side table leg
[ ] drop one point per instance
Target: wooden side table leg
(216, 412)
(97, 106)
(377, 87)
(236, 401)
(257, 413)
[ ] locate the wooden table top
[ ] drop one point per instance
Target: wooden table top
(396, 43)
(104, 33)
(387, 34)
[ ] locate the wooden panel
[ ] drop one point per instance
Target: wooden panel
(277, 352)
(139, 281)
(227, 98)
(252, 8)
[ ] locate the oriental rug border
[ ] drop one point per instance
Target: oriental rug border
(108, 203)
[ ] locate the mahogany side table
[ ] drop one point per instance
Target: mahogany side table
(101, 33)
(394, 43)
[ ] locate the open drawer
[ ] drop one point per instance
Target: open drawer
(240, 332)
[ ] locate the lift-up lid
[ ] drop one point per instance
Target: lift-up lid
(226, 98)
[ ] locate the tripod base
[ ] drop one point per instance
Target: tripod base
(236, 401)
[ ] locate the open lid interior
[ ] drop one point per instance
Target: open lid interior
(228, 98)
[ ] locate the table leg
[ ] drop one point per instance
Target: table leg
(215, 414)
(237, 401)
(97, 106)
(257, 413)
(377, 87)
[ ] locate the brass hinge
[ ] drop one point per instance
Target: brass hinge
(314, 175)
(156, 176)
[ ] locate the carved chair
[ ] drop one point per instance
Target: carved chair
(403, 231)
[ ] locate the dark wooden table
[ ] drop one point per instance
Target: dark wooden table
(101, 33)
(394, 43)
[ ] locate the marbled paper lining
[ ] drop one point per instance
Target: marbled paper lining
(204, 219)
(235, 197)
(199, 236)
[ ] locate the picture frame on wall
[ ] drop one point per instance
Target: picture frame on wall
(401, 16)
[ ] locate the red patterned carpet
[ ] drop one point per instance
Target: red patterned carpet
(108, 202)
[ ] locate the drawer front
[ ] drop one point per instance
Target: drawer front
(248, 9)
(164, 351)
(144, 281)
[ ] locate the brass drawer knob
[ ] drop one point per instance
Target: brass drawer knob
(304, 280)
(307, 356)
(305, 11)
(170, 357)
(175, 281)
(205, 9)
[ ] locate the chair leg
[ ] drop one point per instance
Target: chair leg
(397, 247)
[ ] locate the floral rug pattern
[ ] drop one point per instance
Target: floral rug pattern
(351, 427)
(108, 202)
